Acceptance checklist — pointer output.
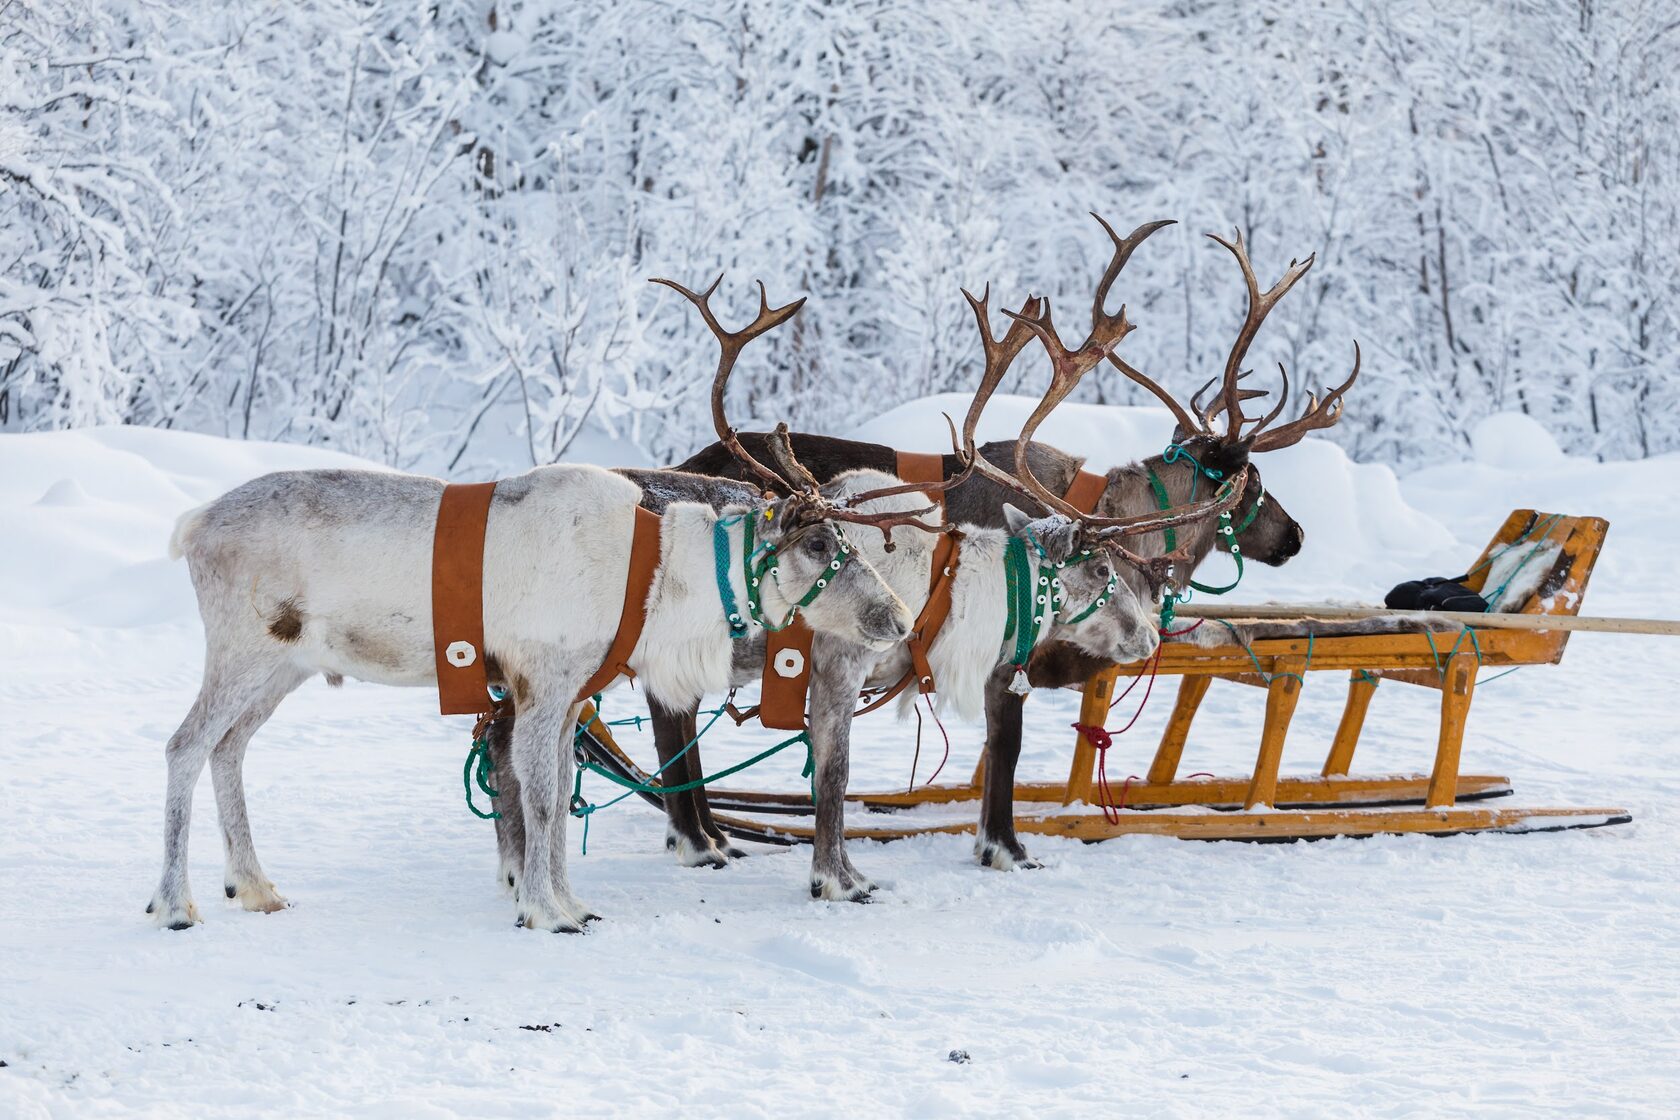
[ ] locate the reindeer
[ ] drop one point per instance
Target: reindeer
(1201, 455)
(1073, 561)
(329, 571)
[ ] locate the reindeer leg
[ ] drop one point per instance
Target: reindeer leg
(545, 782)
(839, 674)
(228, 690)
(510, 822)
(995, 844)
(684, 833)
(243, 878)
(702, 806)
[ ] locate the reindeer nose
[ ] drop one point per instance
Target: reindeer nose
(886, 622)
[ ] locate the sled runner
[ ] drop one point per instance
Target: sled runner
(1264, 805)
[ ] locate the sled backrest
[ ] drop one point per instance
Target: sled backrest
(1561, 586)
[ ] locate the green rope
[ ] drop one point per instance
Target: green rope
(584, 809)
(580, 807)
(479, 753)
(1265, 676)
(1440, 666)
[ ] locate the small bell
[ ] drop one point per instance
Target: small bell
(1020, 686)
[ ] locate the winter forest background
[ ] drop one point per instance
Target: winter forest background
(421, 231)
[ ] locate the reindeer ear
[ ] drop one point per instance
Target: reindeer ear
(1016, 521)
(1057, 535)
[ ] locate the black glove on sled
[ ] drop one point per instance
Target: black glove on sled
(1435, 593)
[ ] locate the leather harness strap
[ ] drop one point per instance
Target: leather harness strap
(644, 561)
(787, 652)
(920, 466)
(1085, 491)
(787, 675)
(936, 609)
(458, 598)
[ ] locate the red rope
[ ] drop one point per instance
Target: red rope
(917, 760)
(1101, 738)
(937, 723)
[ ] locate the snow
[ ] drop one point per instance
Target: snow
(1504, 975)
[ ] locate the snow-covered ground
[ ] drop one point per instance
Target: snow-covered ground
(1501, 975)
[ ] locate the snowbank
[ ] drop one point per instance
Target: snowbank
(88, 515)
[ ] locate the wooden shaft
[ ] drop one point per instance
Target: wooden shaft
(1361, 687)
(1458, 685)
(1190, 693)
(1327, 612)
(1093, 712)
(1281, 696)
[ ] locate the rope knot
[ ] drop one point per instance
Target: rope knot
(1099, 737)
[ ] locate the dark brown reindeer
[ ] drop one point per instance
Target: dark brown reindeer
(1263, 529)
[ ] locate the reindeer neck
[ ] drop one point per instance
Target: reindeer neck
(1130, 491)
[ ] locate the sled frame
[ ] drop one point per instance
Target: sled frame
(1266, 805)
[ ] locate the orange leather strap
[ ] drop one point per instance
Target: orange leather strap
(458, 598)
(919, 466)
(644, 561)
(1085, 491)
(935, 610)
(787, 675)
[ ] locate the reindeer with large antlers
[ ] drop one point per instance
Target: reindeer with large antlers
(1203, 456)
(1070, 562)
(329, 571)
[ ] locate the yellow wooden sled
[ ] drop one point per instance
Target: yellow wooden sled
(1265, 805)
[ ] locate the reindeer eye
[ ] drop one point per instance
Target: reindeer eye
(817, 545)
(1103, 571)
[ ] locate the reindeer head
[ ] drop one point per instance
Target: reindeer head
(797, 558)
(1100, 612)
(1225, 445)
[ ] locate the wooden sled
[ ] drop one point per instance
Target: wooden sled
(1265, 805)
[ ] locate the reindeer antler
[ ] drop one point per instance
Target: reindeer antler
(1315, 417)
(1199, 421)
(999, 355)
(730, 344)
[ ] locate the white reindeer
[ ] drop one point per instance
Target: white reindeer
(329, 572)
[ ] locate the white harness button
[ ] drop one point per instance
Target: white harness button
(460, 654)
(789, 663)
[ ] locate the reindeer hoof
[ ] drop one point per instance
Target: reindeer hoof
(702, 853)
(552, 925)
(174, 918)
(1001, 856)
(841, 888)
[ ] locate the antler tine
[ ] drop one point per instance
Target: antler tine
(1260, 305)
(730, 344)
(1318, 415)
(1124, 247)
(1277, 409)
(781, 450)
(1185, 420)
(1067, 370)
(1000, 354)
